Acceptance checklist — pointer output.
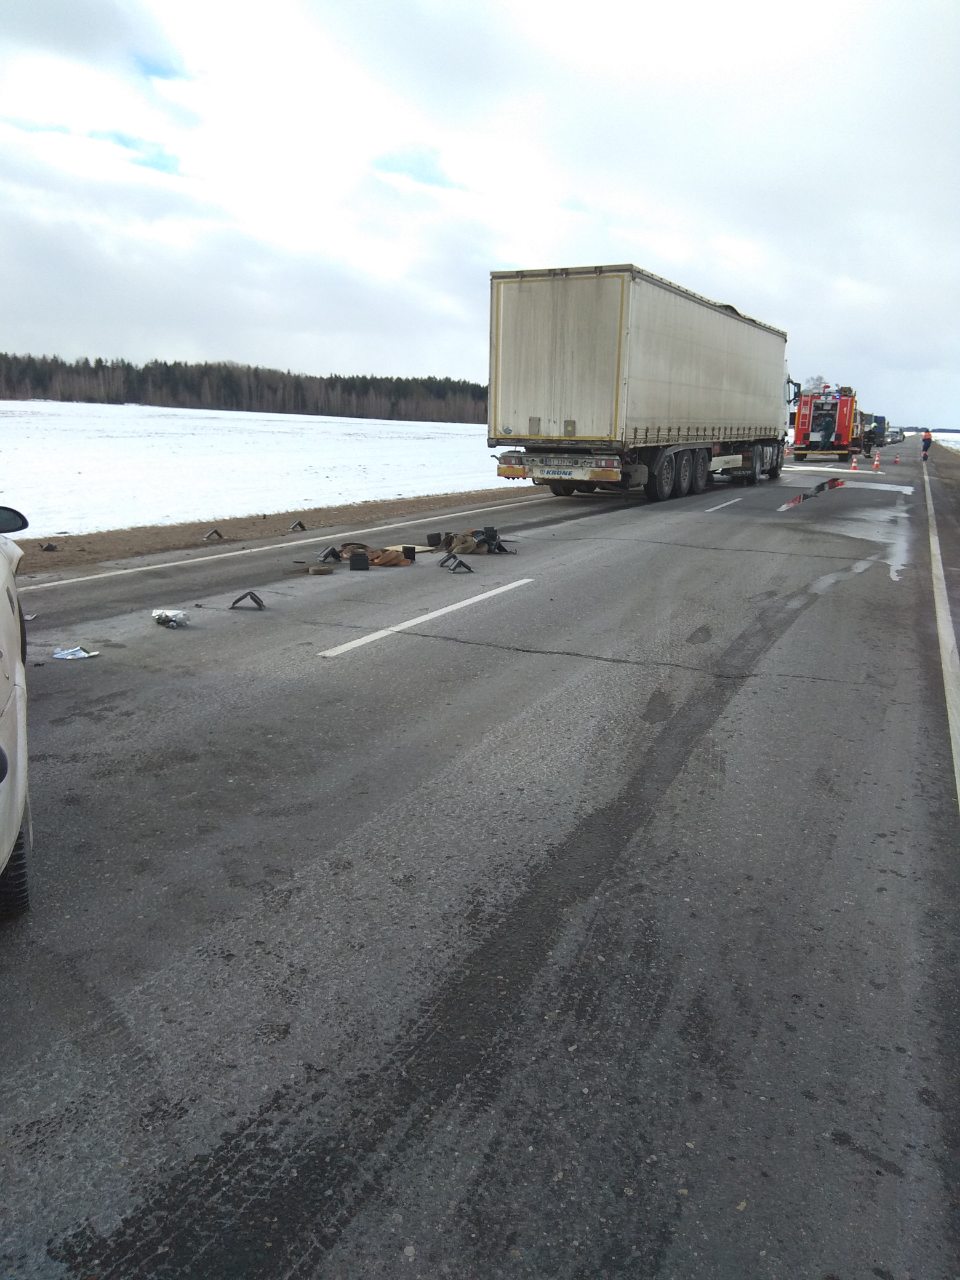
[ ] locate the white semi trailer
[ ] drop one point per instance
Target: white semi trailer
(611, 378)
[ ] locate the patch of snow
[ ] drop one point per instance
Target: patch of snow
(78, 468)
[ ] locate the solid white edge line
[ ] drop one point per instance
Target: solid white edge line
(274, 546)
(722, 505)
(949, 658)
(415, 622)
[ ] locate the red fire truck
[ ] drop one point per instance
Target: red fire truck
(828, 422)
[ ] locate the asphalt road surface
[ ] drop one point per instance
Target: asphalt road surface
(605, 925)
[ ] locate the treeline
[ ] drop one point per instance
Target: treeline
(241, 387)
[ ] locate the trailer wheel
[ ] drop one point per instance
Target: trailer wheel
(561, 489)
(586, 486)
(701, 471)
(683, 473)
(774, 472)
(756, 469)
(660, 485)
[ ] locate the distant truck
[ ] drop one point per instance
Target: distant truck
(610, 378)
(829, 422)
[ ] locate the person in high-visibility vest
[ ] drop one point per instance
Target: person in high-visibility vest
(926, 440)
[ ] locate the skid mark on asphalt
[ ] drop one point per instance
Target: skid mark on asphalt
(274, 1196)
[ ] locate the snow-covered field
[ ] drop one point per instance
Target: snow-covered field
(77, 468)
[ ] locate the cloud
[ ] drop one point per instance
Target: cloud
(100, 32)
(327, 186)
(144, 152)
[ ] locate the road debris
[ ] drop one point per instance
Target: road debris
(214, 533)
(78, 652)
(485, 541)
(298, 527)
(249, 595)
(832, 483)
(49, 546)
(171, 618)
(453, 563)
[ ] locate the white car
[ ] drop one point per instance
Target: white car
(14, 808)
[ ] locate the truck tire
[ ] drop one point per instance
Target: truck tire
(585, 486)
(660, 485)
(14, 890)
(701, 471)
(756, 469)
(562, 489)
(799, 457)
(774, 472)
(683, 473)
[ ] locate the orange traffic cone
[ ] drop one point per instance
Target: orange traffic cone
(853, 462)
(876, 462)
(896, 461)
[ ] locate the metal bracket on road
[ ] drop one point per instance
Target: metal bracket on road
(453, 563)
(249, 595)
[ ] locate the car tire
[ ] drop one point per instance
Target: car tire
(14, 889)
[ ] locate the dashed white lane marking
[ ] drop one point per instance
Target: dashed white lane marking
(949, 659)
(722, 505)
(416, 622)
(276, 546)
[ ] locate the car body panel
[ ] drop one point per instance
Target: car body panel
(13, 706)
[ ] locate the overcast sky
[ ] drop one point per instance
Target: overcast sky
(325, 185)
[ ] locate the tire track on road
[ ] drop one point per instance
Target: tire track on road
(276, 1194)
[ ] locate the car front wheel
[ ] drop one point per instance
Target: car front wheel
(14, 890)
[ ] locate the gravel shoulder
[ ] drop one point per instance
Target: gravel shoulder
(81, 550)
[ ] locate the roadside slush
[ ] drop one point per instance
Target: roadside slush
(943, 472)
(89, 549)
